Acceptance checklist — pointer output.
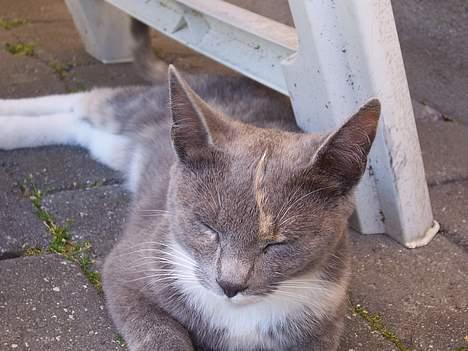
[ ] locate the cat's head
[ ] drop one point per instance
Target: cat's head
(254, 207)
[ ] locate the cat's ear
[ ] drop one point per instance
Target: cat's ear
(196, 126)
(342, 157)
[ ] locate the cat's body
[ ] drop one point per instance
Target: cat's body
(237, 233)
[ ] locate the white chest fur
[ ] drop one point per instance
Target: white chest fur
(249, 320)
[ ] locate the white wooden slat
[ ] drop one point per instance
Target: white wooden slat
(248, 43)
(247, 21)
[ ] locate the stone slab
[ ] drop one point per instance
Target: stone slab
(65, 48)
(20, 229)
(358, 336)
(34, 10)
(444, 148)
(47, 304)
(23, 76)
(56, 168)
(450, 205)
(98, 75)
(420, 294)
(433, 41)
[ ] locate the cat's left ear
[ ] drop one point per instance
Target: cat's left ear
(197, 128)
(342, 157)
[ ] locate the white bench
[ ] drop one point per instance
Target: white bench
(341, 53)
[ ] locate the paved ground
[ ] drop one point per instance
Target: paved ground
(58, 199)
(434, 41)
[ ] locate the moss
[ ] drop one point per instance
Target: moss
(119, 340)
(20, 49)
(33, 251)
(77, 88)
(61, 243)
(60, 69)
(8, 24)
(375, 322)
(96, 184)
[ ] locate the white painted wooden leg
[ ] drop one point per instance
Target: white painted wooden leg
(104, 30)
(349, 52)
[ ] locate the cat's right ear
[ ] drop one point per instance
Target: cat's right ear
(341, 159)
(195, 125)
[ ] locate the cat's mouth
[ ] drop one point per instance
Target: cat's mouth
(242, 300)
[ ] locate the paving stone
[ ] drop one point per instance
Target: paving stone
(427, 113)
(47, 304)
(24, 76)
(52, 169)
(443, 144)
(450, 206)
(119, 74)
(34, 10)
(56, 167)
(20, 229)
(65, 48)
(358, 336)
(433, 40)
(420, 294)
(97, 215)
(6, 36)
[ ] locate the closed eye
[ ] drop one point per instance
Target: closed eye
(214, 234)
(273, 245)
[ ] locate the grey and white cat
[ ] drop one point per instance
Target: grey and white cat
(237, 237)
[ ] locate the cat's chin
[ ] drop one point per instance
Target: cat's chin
(242, 300)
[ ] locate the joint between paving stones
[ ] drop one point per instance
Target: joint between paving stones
(60, 69)
(376, 324)
(447, 233)
(23, 185)
(448, 181)
(8, 24)
(85, 186)
(62, 244)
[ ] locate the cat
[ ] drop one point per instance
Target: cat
(237, 233)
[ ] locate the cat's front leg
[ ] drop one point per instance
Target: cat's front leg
(320, 334)
(145, 326)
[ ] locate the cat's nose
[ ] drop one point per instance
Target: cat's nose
(231, 289)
